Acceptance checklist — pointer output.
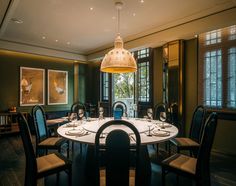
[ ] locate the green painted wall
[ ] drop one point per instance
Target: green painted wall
(10, 63)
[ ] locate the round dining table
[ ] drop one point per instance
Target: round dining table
(151, 132)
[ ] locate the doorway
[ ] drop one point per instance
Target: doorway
(123, 89)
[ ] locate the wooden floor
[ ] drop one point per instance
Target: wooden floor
(12, 164)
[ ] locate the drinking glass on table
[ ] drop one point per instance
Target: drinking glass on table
(149, 129)
(163, 119)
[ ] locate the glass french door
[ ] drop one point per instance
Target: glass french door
(134, 89)
(123, 89)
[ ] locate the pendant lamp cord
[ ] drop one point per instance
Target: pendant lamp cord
(118, 20)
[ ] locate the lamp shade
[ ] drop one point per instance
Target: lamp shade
(118, 60)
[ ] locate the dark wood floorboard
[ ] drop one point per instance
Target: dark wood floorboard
(12, 164)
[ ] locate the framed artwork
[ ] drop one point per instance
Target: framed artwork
(57, 87)
(31, 86)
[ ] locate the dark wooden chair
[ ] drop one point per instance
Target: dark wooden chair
(192, 142)
(121, 105)
(117, 152)
(198, 168)
(174, 115)
(76, 106)
(43, 140)
(39, 167)
(158, 108)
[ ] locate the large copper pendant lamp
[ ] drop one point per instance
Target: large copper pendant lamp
(118, 60)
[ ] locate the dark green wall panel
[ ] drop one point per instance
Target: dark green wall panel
(10, 63)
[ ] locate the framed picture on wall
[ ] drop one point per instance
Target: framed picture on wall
(31, 86)
(57, 87)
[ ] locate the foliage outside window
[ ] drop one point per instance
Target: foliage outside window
(124, 85)
(217, 68)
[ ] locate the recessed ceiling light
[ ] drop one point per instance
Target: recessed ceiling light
(68, 43)
(56, 40)
(195, 35)
(91, 8)
(17, 21)
(141, 1)
(134, 14)
(43, 37)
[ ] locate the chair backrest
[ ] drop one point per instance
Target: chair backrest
(204, 152)
(174, 114)
(76, 106)
(198, 120)
(118, 152)
(160, 107)
(39, 119)
(31, 166)
(121, 105)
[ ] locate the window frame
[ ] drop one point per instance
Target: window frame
(225, 45)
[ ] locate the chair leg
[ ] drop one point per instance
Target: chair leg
(163, 174)
(81, 148)
(169, 148)
(70, 177)
(72, 147)
(157, 148)
(68, 149)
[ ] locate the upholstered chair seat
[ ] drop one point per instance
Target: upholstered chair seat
(181, 162)
(184, 142)
(52, 142)
(50, 162)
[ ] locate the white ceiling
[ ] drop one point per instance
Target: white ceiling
(88, 31)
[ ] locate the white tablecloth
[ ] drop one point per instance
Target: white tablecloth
(87, 130)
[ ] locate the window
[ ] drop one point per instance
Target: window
(124, 84)
(217, 68)
(105, 86)
(232, 77)
(213, 78)
(143, 81)
(143, 58)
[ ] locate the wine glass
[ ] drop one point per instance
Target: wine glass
(150, 114)
(163, 118)
(149, 129)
